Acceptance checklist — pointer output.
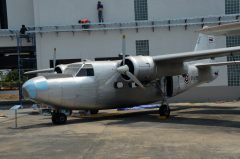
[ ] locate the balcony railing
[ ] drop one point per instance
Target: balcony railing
(152, 24)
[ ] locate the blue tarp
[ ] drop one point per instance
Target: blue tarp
(141, 107)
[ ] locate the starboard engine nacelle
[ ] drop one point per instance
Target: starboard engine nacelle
(143, 67)
(59, 69)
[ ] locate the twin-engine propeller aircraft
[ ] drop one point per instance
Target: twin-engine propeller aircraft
(132, 81)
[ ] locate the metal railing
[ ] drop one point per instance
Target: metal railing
(182, 22)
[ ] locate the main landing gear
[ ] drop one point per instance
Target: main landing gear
(164, 111)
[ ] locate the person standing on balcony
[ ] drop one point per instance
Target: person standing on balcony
(100, 12)
(23, 34)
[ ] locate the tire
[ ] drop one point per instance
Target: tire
(94, 111)
(55, 119)
(59, 118)
(62, 118)
(164, 111)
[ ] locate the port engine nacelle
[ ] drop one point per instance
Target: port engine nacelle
(143, 67)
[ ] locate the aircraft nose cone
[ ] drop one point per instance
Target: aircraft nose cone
(29, 90)
(33, 87)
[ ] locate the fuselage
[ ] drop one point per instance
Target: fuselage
(100, 89)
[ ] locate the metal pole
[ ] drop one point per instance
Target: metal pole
(124, 48)
(54, 58)
(19, 69)
(16, 118)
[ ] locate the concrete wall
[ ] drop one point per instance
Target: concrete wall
(164, 9)
(62, 12)
(20, 12)
(7, 41)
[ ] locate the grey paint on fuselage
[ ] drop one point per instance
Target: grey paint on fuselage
(98, 91)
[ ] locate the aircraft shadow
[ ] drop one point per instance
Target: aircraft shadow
(204, 122)
(152, 116)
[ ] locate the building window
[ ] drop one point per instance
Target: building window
(3, 15)
(141, 10)
(233, 70)
(231, 6)
(142, 47)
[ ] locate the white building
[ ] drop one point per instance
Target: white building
(56, 23)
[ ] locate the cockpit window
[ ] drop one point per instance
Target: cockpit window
(72, 69)
(86, 70)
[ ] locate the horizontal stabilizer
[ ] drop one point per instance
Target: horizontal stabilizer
(49, 70)
(217, 64)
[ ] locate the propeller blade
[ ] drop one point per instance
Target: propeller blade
(113, 77)
(124, 48)
(134, 79)
(123, 69)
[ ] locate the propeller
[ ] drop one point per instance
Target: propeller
(124, 69)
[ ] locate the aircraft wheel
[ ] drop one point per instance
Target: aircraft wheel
(164, 111)
(94, 111)
(62, 118)
(54, 118)
(59, 118)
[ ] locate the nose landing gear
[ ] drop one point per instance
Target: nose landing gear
(59, 118)
(164, 111)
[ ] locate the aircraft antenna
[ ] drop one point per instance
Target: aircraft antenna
(54, 58)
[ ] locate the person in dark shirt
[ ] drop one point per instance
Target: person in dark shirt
(100, 12)
(23, 30)
(23, 33)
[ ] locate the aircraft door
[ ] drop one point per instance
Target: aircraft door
(169, 86)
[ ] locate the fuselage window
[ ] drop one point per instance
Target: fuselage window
(86, 70)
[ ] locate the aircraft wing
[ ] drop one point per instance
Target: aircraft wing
(225, 29)
(196, 55)
(48, 70)
(173, 64)
(217, 64)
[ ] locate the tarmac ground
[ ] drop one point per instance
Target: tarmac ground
(194, 130)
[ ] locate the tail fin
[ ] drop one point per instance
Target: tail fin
(205, 42)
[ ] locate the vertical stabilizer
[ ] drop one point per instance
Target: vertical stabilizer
(205, 42)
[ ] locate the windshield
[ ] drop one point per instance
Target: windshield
(86, 70)
(72, 69)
